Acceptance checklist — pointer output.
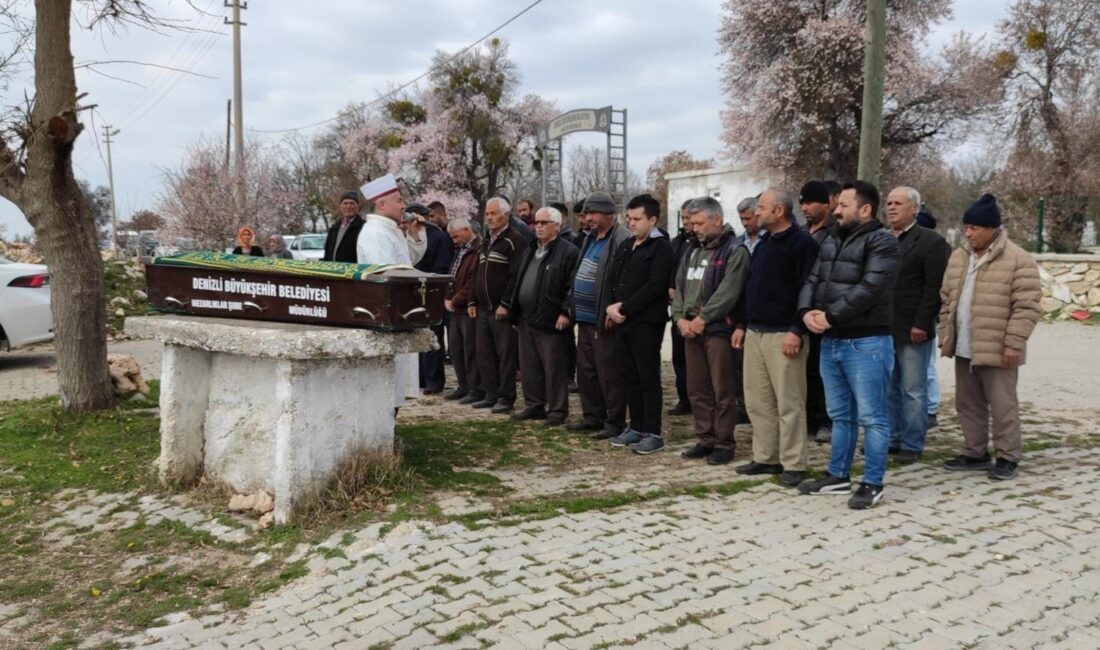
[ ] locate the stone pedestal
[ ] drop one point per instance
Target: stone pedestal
(271, 406)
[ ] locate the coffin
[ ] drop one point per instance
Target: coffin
(385, 297)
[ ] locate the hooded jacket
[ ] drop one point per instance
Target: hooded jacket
(640, 279)
(710, 283)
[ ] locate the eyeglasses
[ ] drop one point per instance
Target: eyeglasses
(543, 223)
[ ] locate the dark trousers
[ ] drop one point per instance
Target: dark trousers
(497, 357)
(638, 352)
(463, 345)
(598, 378)
(542, 364)
(679, 365)
(431, 363)
(571, 353)
(816, 415)
(711, 389)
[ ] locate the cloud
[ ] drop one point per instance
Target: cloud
(303, 62)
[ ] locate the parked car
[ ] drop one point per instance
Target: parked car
(25, 316)
(307, 247)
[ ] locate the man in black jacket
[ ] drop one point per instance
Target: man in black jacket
(538, 305)
(437, 259)
(817, 202)
(682, 244)
(340, 243)
(494, 286)
(774, 339)
(847, 300)
(639, 311)
(923, 259)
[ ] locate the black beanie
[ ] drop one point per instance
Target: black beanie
(814, 192)
(985, 212)
(350, 194)
(926, 219)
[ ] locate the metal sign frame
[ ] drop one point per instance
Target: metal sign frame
(601, 120)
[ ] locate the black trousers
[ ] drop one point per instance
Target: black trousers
(542, 358)
(601, 392)
(431, 363)
(638, 354)
(463, 345)
(679, 364)
(816, 415)
(497, 357)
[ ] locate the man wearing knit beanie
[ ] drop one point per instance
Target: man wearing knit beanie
(990, 297)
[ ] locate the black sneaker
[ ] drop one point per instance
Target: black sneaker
(865, 497)
(792, 478)
(472, 398)
(434, 390)
(608, 432)
(827, 484)
(720, 457)
(906, 457)
(584, 425)
(554, 420)
(484, 404)
(754, 468)
(933, 421)
(1003, 470)
(698, 451)
(532, 413)
(457, 393)
(963, 463)
(683, 407)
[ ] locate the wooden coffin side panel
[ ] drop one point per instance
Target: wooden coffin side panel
(320, 301)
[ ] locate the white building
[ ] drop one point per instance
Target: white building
(727, 184)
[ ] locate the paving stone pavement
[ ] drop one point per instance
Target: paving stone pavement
(946, 561)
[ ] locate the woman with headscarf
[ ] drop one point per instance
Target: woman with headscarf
(245, 246)
(276, 247)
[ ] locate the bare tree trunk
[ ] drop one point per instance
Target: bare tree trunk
(59, 212)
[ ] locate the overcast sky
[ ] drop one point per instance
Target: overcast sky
(303, 61)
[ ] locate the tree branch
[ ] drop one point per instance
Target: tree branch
(91, 64)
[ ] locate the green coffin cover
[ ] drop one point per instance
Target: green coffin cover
(275, 266)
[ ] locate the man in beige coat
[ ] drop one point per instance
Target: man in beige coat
(990, 299)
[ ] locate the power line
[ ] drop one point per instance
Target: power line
(409, 83)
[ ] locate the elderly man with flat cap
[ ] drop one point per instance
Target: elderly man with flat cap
(603, 404)
(342, 236)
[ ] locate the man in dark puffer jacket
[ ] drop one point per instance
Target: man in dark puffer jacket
(847, 299)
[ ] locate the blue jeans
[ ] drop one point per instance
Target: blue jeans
(909, 395)
(856, 373)
(933, 383)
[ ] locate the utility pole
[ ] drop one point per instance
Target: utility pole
(238, 106)
(108, 133)
(228, 129)
(874, 77)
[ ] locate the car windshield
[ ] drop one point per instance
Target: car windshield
(313, 243)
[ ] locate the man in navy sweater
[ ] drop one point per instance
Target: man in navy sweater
(774, 339)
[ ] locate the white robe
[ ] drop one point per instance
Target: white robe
(382, 242)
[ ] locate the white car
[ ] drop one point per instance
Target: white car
(25, 316)
(307, 247)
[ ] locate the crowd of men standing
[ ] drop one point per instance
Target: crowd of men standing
(815, 332)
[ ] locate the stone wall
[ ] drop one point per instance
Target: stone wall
(1071, 283)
